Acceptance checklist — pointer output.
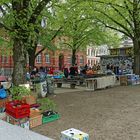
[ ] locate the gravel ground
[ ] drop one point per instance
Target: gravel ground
(109, 114)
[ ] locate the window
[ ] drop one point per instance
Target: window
(69, 60)
(38, 59)
(81, 59)
(4, 59)
(47, 58)
(92, 53)
(88, 53)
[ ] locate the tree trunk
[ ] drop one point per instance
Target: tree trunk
(19, 59)
(136, 65)
(31, 53)
(73, 57)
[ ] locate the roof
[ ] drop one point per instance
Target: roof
(121, 48)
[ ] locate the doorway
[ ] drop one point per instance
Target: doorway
(61, 61)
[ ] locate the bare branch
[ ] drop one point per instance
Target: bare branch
(40, 51)
(69, 45)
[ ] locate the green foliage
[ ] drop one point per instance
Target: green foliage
(120, 15)
(17, 92)
(46, 104)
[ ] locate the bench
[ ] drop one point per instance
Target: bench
(59, 82)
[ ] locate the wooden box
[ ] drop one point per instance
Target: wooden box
(35, 121)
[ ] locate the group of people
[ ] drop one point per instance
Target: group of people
(35, 72)
(86, 70)
(74, 70)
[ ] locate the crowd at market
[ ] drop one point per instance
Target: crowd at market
(74, 70)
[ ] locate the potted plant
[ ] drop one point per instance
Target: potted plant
(48, 110)
(18, 92)
(46, 104)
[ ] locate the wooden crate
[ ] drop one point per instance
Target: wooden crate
(15, 121)
(123, 80)
(35, 121)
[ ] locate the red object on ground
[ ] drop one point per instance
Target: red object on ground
(17, 109)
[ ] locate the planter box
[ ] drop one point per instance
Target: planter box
(47, 119)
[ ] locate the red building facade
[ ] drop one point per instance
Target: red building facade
(58, 59)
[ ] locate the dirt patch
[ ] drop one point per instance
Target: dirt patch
(110, 114)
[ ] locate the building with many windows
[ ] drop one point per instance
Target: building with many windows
(59, 58)
(93, 53)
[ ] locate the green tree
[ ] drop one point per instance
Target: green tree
(80, 26)
(20, 18)
(122, 16)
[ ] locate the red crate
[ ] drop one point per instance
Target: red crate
(17, 109)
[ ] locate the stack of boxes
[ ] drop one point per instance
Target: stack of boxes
(35, 117)
(17, 113)
(25, 113)
(129, 79)
(74, 134)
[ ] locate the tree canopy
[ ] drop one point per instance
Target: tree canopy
(122, 16)
(20, 18)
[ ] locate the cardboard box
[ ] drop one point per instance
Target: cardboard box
(35, 121)
(14, 121)
(24, 125)
(74, 134)
(30, 99)
(34, 112)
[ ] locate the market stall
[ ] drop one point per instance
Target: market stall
(100, 82)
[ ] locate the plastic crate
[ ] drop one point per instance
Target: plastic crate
(35, 121)
(18, 109)
(47, 119)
